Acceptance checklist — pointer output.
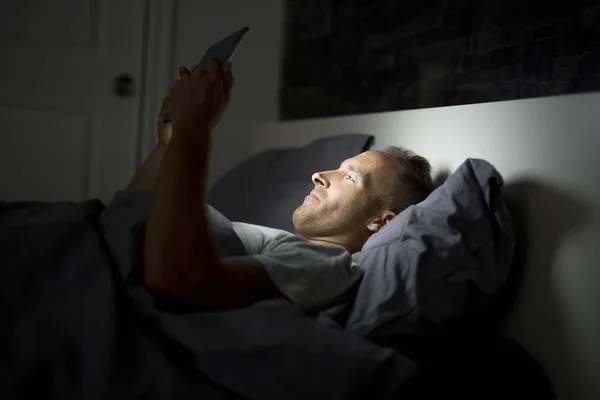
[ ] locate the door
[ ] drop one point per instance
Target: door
(66, 131)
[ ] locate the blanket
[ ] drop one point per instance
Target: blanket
(77, 323)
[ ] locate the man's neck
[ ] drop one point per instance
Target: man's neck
(340, 242)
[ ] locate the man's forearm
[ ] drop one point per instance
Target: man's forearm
(145, 176)
(179, 253)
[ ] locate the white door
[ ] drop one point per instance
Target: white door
(64, 133)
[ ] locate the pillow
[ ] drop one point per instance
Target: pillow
(267, 188)
(421, 268)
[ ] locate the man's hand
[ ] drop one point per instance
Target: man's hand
(165, 129)
(146, 173)
(202, 96)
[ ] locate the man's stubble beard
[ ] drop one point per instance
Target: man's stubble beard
(306, 221)
(317, 222)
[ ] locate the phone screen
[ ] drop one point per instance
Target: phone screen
(224, 50)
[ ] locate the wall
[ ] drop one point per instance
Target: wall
(545, 148)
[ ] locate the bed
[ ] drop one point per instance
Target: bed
(546, 150)
(78, 323)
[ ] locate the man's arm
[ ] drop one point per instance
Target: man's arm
(246, 282)
(180, 258)
(146, 173)
(179, 253)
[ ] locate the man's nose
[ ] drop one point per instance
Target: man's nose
(320, 180)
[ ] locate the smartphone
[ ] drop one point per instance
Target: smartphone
(223, 50)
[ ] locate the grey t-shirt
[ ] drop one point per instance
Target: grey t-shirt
(312, 276)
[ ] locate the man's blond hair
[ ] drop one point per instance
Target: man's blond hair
(413, 182)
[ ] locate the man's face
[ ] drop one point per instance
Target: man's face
(343, 200)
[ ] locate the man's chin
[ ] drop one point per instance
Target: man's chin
(304, 217)
(298, 217)
(297, 210)
(304, 207)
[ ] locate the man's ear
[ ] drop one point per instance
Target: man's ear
(381, 220)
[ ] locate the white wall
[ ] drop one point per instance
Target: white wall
(545, 148)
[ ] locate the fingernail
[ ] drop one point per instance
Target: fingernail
(227, 66)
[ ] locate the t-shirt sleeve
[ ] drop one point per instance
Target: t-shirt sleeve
(253, 237)
(311, 276)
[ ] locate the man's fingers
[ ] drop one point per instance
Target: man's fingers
(228, 73)
(228, 80)
(164, 108)
(214, 67)
(200, 73)
(183, 71)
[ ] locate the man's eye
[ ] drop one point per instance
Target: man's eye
(349, 177)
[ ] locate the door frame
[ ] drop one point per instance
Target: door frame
(157, 70)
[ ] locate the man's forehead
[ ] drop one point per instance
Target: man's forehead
(370, 163)
(351, 164)
(364, 162)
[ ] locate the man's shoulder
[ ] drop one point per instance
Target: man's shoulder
(260, 229)
(256, 238)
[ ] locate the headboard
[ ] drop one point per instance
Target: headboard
(546, 149)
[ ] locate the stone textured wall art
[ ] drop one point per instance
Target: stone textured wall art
(345, 57)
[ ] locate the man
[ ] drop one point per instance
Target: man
(312, 270)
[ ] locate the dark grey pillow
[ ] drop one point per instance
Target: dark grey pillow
(420, 269)
(267, 188)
